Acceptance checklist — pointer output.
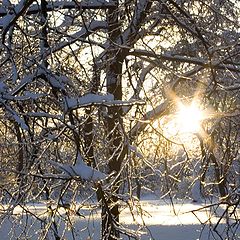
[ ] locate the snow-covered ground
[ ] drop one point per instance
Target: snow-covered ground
(162, 222)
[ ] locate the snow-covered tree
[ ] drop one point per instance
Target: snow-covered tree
(85, 84)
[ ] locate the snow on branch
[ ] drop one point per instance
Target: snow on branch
(81, 170)
(10, 19)
(14, 115)
(97, 99)
(82, 34)
(86, 100)
(192, 60)
(55, 80)
(27, 96)
(56, 5)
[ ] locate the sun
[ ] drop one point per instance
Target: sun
(186, 121)
(185, 124)
(189, 118)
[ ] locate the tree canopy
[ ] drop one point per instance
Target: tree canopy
(88, 92)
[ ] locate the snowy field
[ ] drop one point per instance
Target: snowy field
(162, 221)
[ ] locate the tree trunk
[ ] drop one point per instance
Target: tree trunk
(19, 167)
(110, 211)
(219, 177)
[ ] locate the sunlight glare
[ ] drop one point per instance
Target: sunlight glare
(189, 118)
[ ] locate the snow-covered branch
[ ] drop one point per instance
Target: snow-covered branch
(56, 5)
(81, 170)
(14, 115)
(192, 60)
(82, 34)
(91, 99)
(10, 19)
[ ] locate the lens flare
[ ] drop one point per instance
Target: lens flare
(189, 118)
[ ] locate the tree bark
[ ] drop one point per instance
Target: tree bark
(113, 123)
